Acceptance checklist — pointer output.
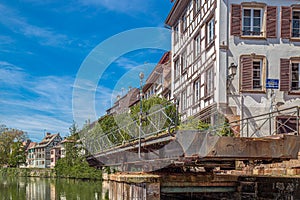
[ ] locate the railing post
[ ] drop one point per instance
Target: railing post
(298, 120)
(270, 124)
(247, 127)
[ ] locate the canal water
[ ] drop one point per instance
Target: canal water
(21, 188)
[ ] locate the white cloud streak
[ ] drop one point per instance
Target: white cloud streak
(43, 103)
(18, 24)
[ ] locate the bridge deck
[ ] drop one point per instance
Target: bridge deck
(196, 148)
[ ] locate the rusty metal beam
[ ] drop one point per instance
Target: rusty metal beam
(194, 148)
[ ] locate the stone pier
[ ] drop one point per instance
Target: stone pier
(156, 186)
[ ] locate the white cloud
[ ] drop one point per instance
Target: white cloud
(126, 63)
(18, 24)
(32, 103)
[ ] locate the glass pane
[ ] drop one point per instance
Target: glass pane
(256, 22)
(247, 12)
(256, 31)
(256, 13)
(247, 21)
(246, 30)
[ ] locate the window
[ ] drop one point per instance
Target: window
(184, 100)
(252, 21)
(295, 76)
(210, 27)
(197, 90)
(252, 73)
(257, 74)
(176, 34)
(197, 5)
(176, 69)
(296, 24)
(209, 82)
(184, 22)
(184, 61)
(197, 45)
(290, 75)
(290, 22)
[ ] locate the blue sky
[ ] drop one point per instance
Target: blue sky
(43, 45)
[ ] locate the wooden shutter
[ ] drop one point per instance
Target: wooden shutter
(284, 74)
(236, 19)
(286, 22)
(246, 73)
(271, 21)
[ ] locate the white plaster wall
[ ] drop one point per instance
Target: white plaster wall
(273, 49)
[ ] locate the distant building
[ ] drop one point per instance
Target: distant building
(30, 156)
(159, 81)
(55, 155)
(39, 155)
(122, 104)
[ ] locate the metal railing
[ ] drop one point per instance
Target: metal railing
(158, 121)
(284, 121)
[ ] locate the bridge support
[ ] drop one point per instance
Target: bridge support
(155, 186)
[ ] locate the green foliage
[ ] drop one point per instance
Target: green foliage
(152, 105)
(120, 122)
(74, 165)
(11, 149)
(194, 124)
(17, 155)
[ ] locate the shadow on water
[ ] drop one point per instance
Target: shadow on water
(21, 188)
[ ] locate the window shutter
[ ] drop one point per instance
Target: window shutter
(285, 22)
(247, 73)
(284, 74)
(271, 22)
(236, 19)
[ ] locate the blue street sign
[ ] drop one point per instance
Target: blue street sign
(272, 84)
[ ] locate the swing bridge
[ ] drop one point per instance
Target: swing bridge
(154, 142)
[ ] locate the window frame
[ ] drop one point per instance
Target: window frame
(260, 77)
(197, 90)
(292, 23)
(262, 25)
(291, 77)
(197, 4)
(243, 80)
(197, 45)
(184, 100)
(176, 33)
(184, 64)
(210, 31)
(177, 67)
(209, 82)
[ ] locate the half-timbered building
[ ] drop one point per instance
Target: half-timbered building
(260, 39)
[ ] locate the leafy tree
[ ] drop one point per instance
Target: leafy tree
(11, 149)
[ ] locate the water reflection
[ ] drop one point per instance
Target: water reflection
(48, 189)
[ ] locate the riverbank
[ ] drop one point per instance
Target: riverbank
(28, 172)
(50, 173)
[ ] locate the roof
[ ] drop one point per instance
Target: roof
(47, 140)
(176, 12)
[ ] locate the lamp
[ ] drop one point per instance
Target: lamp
(232, 70)
(231, 73)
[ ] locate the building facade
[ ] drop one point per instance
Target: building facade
(39, 156)
(261, 39)
(159, 81)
